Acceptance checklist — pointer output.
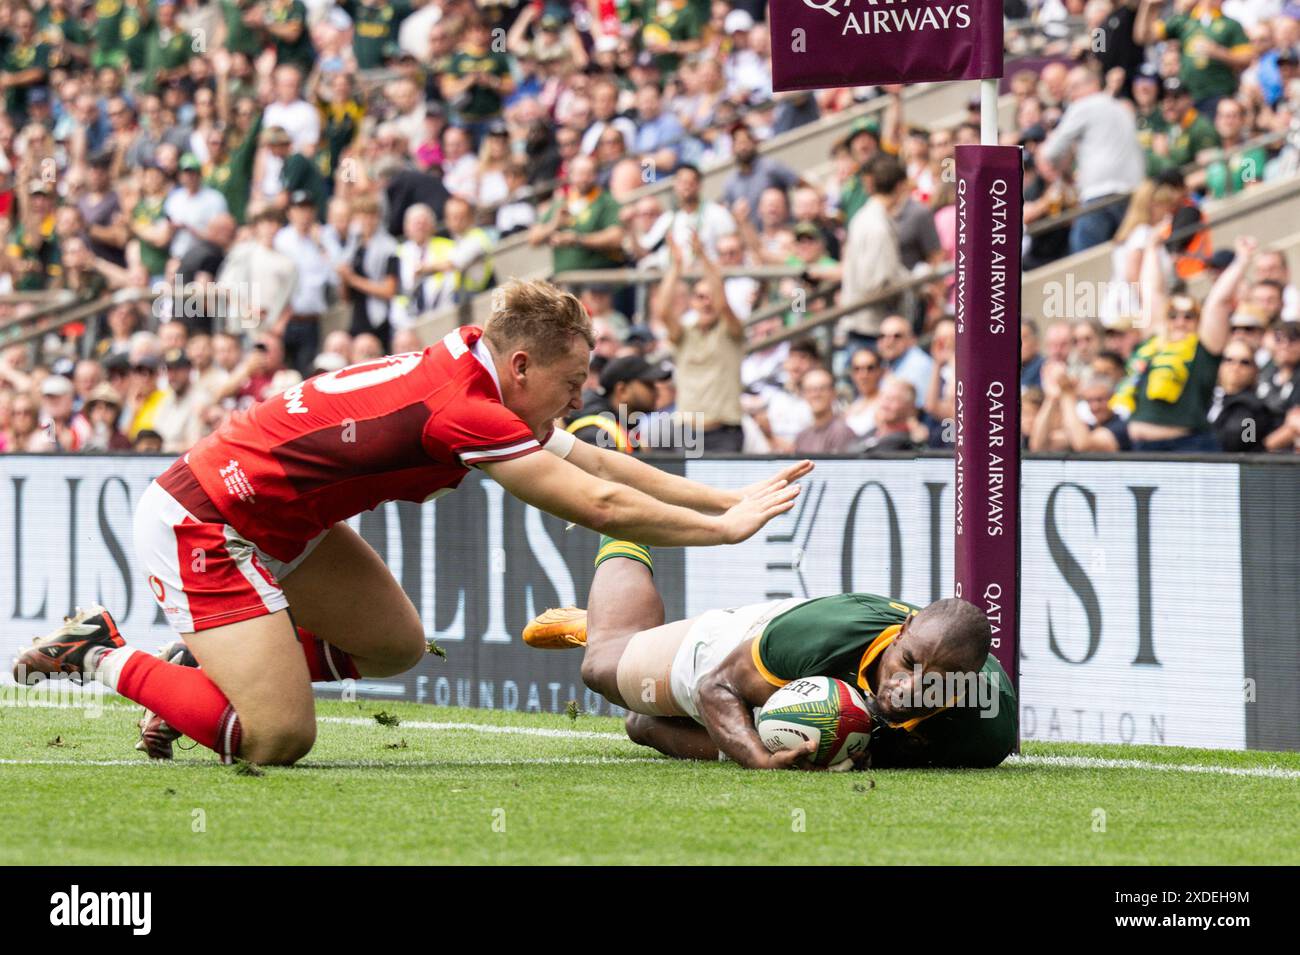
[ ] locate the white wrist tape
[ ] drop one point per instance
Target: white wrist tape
(560, 443)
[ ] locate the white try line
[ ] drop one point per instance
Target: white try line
(1065, 762)
(1095, 762)
(358, 763)
(476, 728)
(1069, 762)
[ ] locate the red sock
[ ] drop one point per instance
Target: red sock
(185, 698)
(325, 662)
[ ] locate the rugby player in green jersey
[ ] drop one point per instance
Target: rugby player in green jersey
(938, 697)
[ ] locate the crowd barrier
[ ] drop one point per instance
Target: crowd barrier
(1159, 597)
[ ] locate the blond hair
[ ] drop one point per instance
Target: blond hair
(538, 318)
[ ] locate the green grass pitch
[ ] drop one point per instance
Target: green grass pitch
(514, 788)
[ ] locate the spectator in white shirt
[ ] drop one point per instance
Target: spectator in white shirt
(694, 216)
(459, 164)
(786, 413)
(257, 280)
(519, 210)
(604, 107)
(191, 206)
(1107, 158)
(179, 416)
(746, 71)
(291, 112)
(409, 105)
(300, 327)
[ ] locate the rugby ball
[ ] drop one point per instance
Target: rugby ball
(821, 709)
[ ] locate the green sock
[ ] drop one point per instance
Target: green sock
(609, 547)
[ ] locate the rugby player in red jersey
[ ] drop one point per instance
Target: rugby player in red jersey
(249, 524)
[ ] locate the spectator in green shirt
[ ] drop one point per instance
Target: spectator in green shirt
(864, 142)
(477, 80)
(25, 64)
(239, 37)
(64, 33)
(230, 168)
(374, 29)
(1215, 48)
(133, 28)
(810, 254)
(581, 225)
(1187, 132)
(1234, 167)
(149, 224)
(297, 174)
(672, 29)
(108, 48)
(1146, 107)
(286, 22)
(33, 251)
(342, 112)
(1171, 376)
(169, 49)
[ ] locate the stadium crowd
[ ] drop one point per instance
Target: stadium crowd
(238, 194)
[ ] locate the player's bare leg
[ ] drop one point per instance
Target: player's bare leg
(623, 600)
(345, 595)
(250, 696)
(676, 736)
(351, 619)
(259, 666)
(629, 649)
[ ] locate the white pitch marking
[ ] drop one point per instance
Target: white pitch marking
(64, 705)
(360, 763)
(1095, 762)
(1069, 762)
(451, 764)
(142, 761)
(478, 728)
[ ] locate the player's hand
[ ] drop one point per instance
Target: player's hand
(788, 474)
(794, 758)
(747, 517)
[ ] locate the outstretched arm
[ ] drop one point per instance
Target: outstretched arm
(554, 485)
(1155, 294)
(727, 698)
(1216, 316)
(626, 469)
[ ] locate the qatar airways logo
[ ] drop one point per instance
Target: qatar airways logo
(894, 16)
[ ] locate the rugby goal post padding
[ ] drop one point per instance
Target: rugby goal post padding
(986, 543)
(827, 43)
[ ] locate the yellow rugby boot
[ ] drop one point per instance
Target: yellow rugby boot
(559, 628)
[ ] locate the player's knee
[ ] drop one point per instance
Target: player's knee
(638, 727)
(409, 648)
(280, 745)
(403, 649)
(599, 671)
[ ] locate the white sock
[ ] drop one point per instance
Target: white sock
(107, 667)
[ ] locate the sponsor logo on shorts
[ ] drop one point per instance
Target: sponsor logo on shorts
(157, 587)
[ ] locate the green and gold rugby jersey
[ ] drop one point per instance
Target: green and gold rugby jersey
(1169, 383)
(842, 635)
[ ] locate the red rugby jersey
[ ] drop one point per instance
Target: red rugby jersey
(400, 428)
